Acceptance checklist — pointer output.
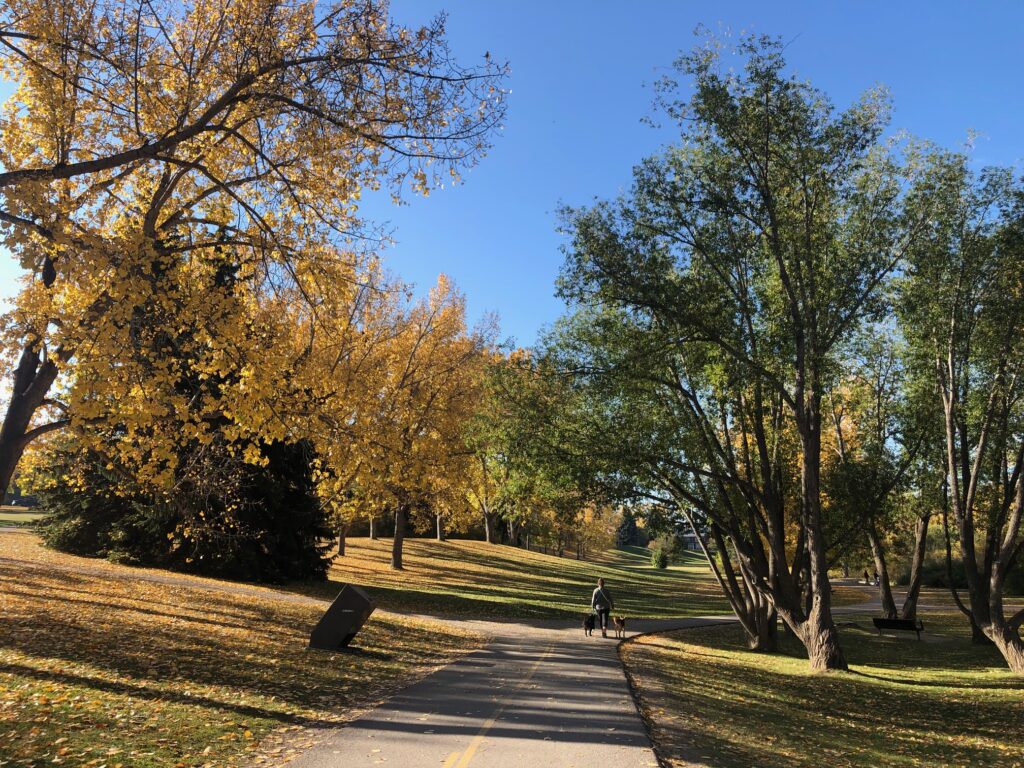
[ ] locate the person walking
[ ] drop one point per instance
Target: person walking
(602, 603)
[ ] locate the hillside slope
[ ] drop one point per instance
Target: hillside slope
(101, 664)
(473, 578)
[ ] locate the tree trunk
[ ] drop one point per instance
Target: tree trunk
(1011, 647)
(916, 568)
(819, 634)
(33, 378)
(342, 534)
(755, 612)
(488, 528)
(821, 639)
(767, 638)
(978, 636)
(396, 546)
(440, 527)
(884, 587)
(373, 528)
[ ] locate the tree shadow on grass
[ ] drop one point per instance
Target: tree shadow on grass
(263, 654)
(499, 581)
(141, 691)
(76, 601)
(220, 598)
(742, 708)
(1005, 684)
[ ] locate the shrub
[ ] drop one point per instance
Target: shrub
(225, 518)
(659, 558)
(935, 574)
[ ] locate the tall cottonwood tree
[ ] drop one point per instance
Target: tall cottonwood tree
(766, 234)
(646, 420)
(490, 490)
(499, 483)
(963, 309)
(149, 143)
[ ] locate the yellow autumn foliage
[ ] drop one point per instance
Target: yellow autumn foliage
(186, 207)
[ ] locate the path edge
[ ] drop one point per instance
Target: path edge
(634, 690)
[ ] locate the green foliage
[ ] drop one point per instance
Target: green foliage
(547, 490)
(712, 304)
(935, 574)
(962, 309)
(628, 533)
(224, 517)
(659, 558)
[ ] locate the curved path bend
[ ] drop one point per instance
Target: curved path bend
(536, 696)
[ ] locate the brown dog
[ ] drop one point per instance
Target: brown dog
(620, 625)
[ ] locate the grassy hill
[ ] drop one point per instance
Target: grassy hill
(101, 665)
(940, 702)
(18, 517)
(473, 578)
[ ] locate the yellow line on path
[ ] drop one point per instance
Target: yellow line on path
(474, 745)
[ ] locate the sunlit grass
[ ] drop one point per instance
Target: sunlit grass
(18, 516)
(100, 668)
(942, 702)
(473, 578)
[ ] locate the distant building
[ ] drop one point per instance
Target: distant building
(690, 541)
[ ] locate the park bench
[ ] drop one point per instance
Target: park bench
(908, 625)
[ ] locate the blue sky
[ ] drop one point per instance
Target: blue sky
(581, 76)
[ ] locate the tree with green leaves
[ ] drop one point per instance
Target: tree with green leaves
(963, 312)
(595, 413)
(494, 484)
(752, 250)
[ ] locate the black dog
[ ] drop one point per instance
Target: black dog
(588, 624)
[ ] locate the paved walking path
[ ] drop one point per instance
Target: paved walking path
(542, 696)
(539, 695)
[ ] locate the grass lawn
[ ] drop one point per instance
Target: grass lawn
(97, 669)
(18, 516)
(473, 578)
(942, 702)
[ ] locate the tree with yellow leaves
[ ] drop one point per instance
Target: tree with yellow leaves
(401, 449)
(178, 175)
(492, 484)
